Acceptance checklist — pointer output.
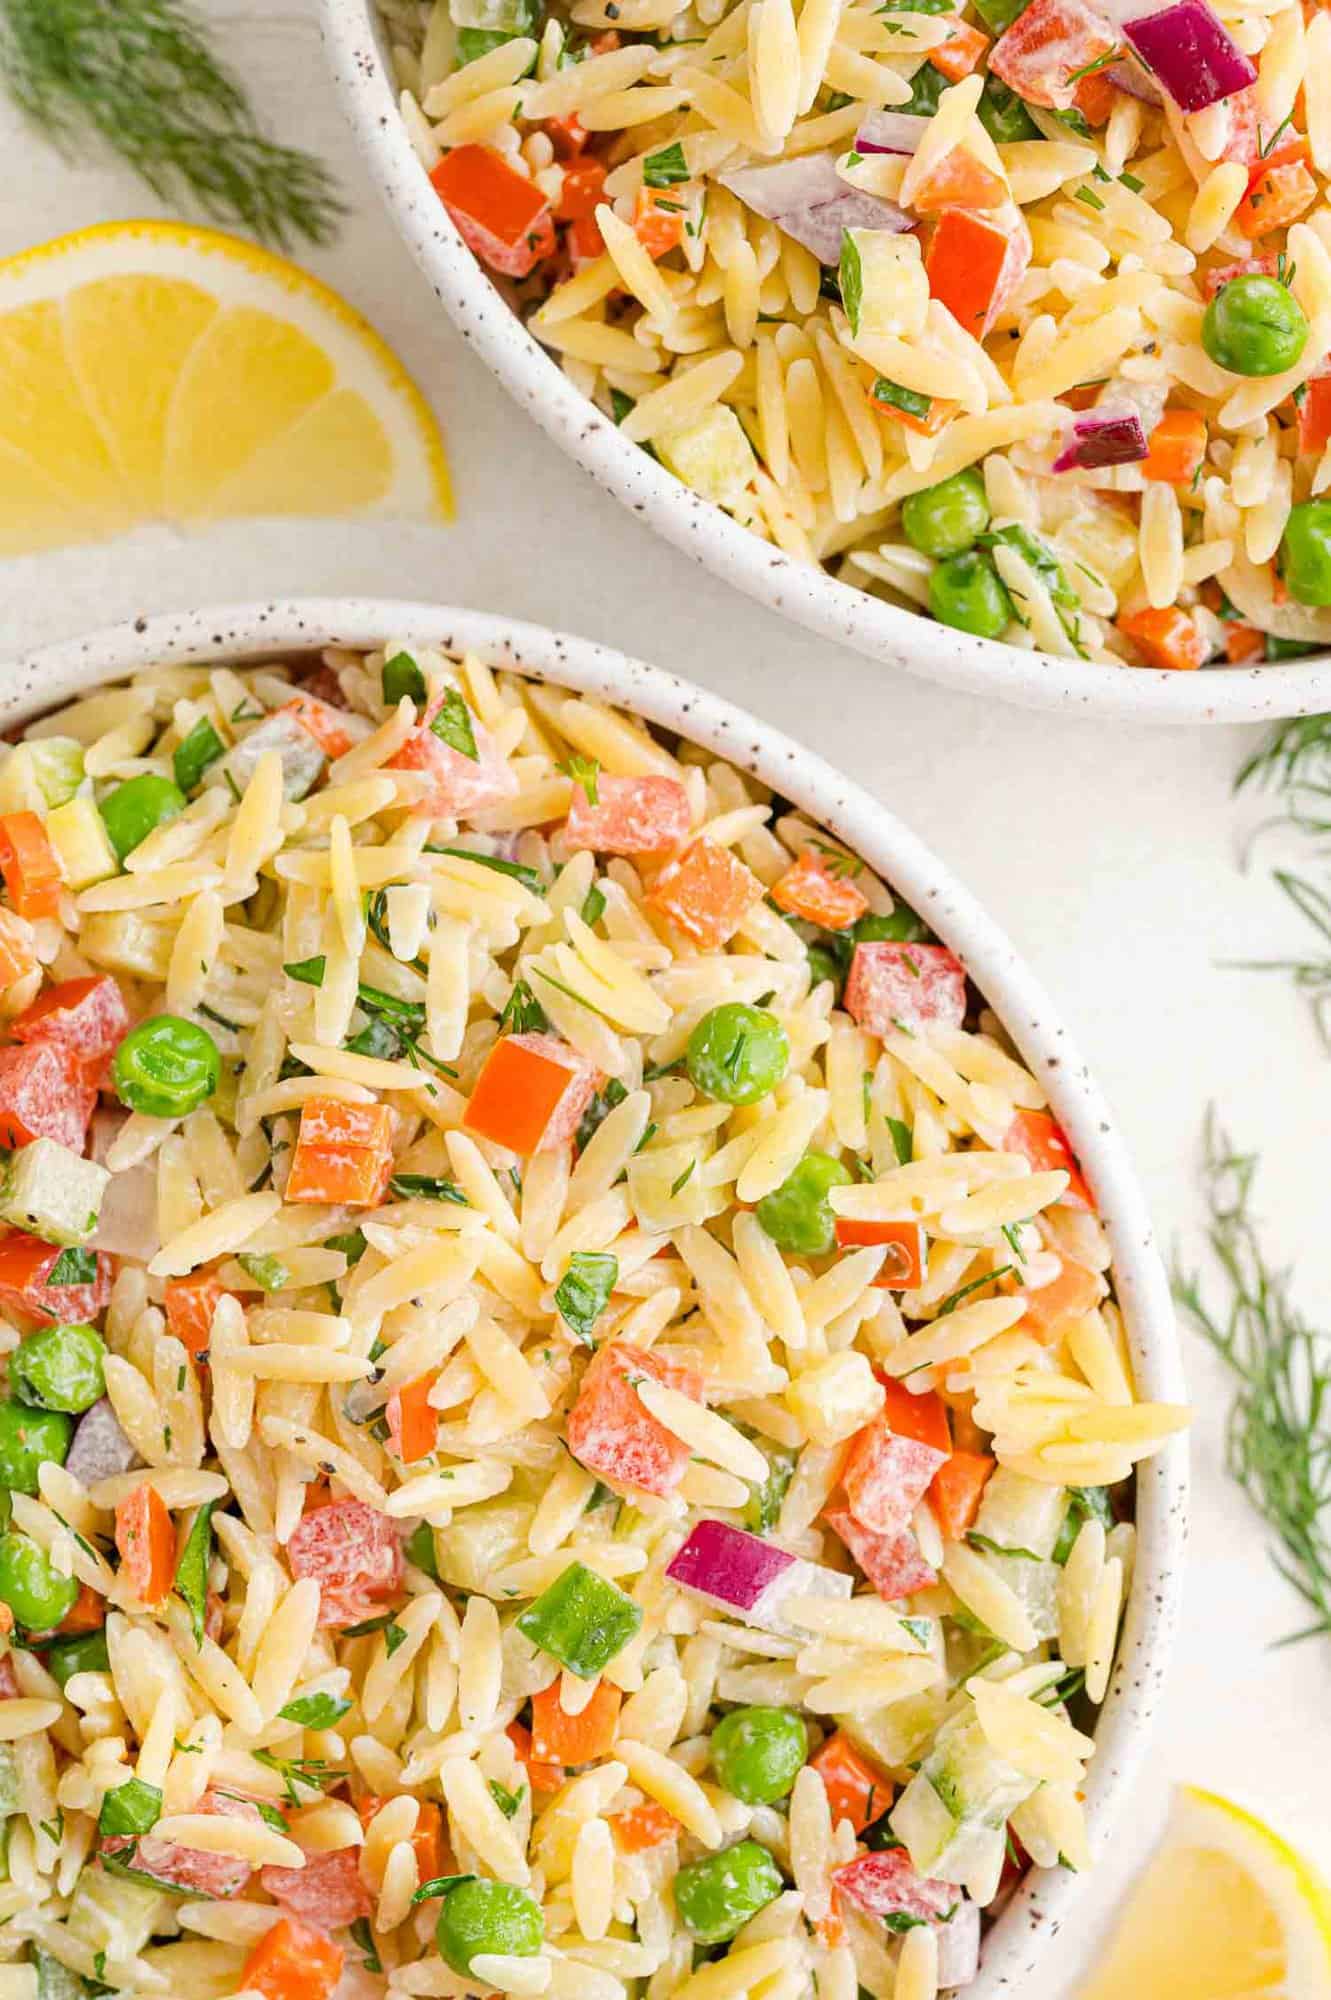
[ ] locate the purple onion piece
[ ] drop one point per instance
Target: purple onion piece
(99, 1448)
(1102, 437)
(959, 1947)
(727, 1565)
(1190, 54)
(1132, 79)
(809, 200)
(891, 132)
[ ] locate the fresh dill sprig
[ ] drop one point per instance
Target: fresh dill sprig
(1278, 1443)
(1295, 764)
(141, 75)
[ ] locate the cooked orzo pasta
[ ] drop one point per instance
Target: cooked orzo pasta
(565, 1425)
(1014, 312)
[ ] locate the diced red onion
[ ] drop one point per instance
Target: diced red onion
(809, 200)
(1191, 54)
(728, 1566)
(1131, 78)
(1102, 437)
(99, 1448)
(891, 132)
(959, 1947)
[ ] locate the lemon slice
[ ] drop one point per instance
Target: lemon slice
(154, 372)
(1225, 1911)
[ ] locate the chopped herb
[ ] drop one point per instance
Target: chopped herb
(367, 1626)
(439, 1886)
(268, 1273)
(1131, 183)
(507, 1802)
(315, 1711)
(195, 754)
(598, 1111)
(850, 274)
(908, 401)
(1089, 196)
(402, 676)
(308, 971)
(419, 1549)
(584, 771)
(620, 405)
(191, 1581)
(903, 1140)
(666, 168)
(363, 1937)
(583, 1292)
(352, 1245)
(993, 1548)
(312, 1772)
(395, 1635)
(954, 1299)
(427, 1187)
(452, 725)
(72, 1267)
(523, 1013)
(684, 1178)
(1013, 1241)
(1266, 147)
(593, 906)
(567, 991)
(134, 1807)
(517, 869)
(1105, 61)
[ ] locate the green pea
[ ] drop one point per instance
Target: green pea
(1254, 326)
(737, 1053)
(85, 1655)
(946, 519)
(166, 1067)
(1305, 552)
(28, 1438)
(824, 964)
(967, 592)
(59, 1368)
(480, 1916)
(797, 1216)
(1003, 115)
(133, 809)
(31, 1586)
(757, 1753)
(715, 1897)
(899, 926)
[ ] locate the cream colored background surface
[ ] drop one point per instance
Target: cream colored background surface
(1110, 854)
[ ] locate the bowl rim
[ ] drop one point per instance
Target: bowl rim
(807, 595)
(246, 632)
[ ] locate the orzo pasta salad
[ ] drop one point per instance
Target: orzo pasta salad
(1015, 312)
(565, 1427)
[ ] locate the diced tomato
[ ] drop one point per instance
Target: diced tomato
(459, 784)
(293, 1962)
(560, 1738)
(321, 722)
(500, 213)
(412, 1425)
(567, 135)
(18, 953)
(86, 1016)
(583, 241)
(45, 1093)
(190, 1303)
(892, 1563)
(146, 1543)
(344, 1153)
(1040, 1139)
(1073, 1292)
(531, 1093)
(1244, 643)
(904, 1265)
(353, 1553)
(1276, 198)
(911, 986)
(818, 887)
(658, 220)
(1314, 410)
(611, 1433)
(543, 1778)
(1259, 267)
(706, 893)
(1176, 448)
(582, 191)
(644, 1827)
(958, 180)
(974, 264)
(25, 1265)
(29, 865)
(630, 816)
(886, 1885)
(957, 1491)
(1040, 53)
(856, 1789)
(327, 1892)
(86, 1614)
(191, 1869)
(886, 1476)
(939, 412)
(1167, 638)
(962, 52)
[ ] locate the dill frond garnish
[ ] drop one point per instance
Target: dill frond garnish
(1295, 763)
(140, 75)
(1278, 1444)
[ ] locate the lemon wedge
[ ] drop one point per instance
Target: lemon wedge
(1225, 1911)
(154, 372)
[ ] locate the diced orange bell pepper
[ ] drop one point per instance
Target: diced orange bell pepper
(500, 213)
(322, 721)
(1287, 153)
(1276, 198)
(26, 1264)
(293, 1961)
(658, 221)
(344, 1153)
(584, 187)
(29, 866)
(412, 1424)
(856, 1789)
(427, 1840)
(958, 180)
(190, 1304)
(706, 893)
(903, 1267)
(146, 1541)
(643, 1827)
(1072, 1294)
(1165, 638)
(818, 888)
(1041, 1141)
(1095, 97)
(967, 265)
(962, 52)
(1175, 448)
(18, 956)
(86, 1614)
(1314, 408)
(541, 1777)
(1243, 643)
(957, 1490)
(530, 1094)
(923, 1418)
(560, 1738)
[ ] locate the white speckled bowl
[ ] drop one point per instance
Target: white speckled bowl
(243, 632)
(808, 595)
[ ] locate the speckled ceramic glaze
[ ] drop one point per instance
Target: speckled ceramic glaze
(241, 633)
(808, 595)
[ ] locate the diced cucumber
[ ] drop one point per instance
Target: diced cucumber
(1021, 1513)
(19, 789)
(51, 1192)
(112, 1914)
(76, 832)
(952, 1814)
(57, 763)
(54, 1980)
(896, 1734)
(883, 283)
(482, 1540)
(1036, 1585)
(9, 1798)
(711, 455)
(133, 941)
(302, 759)
(972, 1780)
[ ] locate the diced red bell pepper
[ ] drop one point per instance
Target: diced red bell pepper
(344, 1153)
(353, 1553)
(459, 784)
(818, 887)
(1049, 1308)
(611, 1433)
(903, 1267)
(29, 865)
(1040, 1139)
(327, 1892)
(531, 1093)
(583, 241)
(321, 722)
(194, 1870)
(413, 1425)
(630, 816)
(567, 135)
(957, 1491)
(886, 1885)
(856, 1789)
(292, 1961)
(1314, 409)
(886, 1476)
(644, 1827)
(974, 263)
(1276, 198)
(44, 1094)
(190, 1303)
(658, 221)
(962, 52)
(1246, 267)
(146, 1542)
(905, 986)
(892, 1563)
(25, 1265)
(1040, 54)
(544, 1778)
(706, 893)
(560, 1738)
(958, 180)
(583, 190)
(86, 1016)
(500, 213)
(1175, 448)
